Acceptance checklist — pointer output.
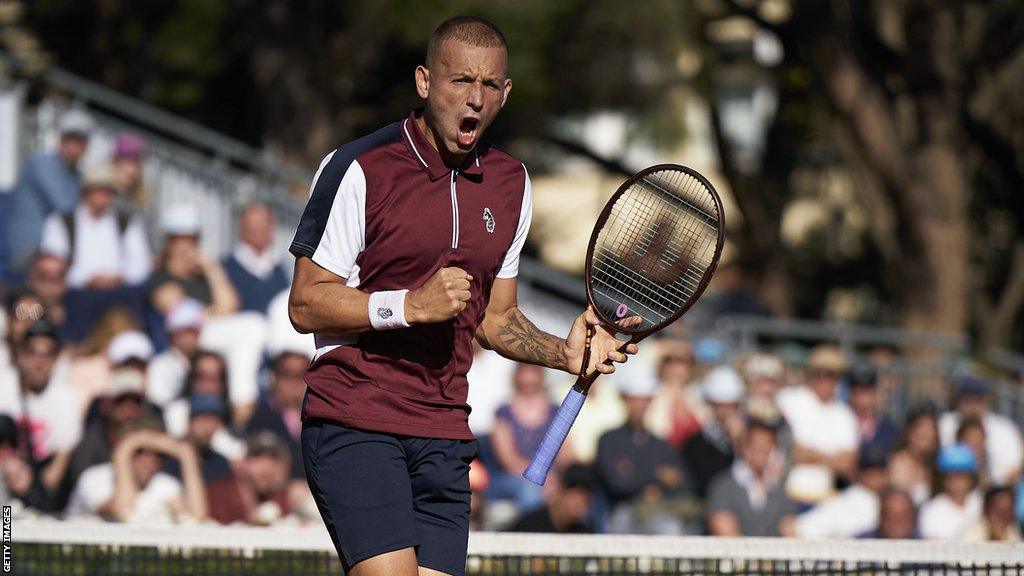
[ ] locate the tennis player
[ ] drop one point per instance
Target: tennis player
(408, 249)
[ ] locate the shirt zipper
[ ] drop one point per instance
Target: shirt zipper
(455, 211)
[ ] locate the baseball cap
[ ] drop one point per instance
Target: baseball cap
(968, 385)
(129, 345)
(579, 476)
(42, 327)
(636, 380)
(205, 404)
(76, 122)
(129, 146)
(722, 385)
(266, 442)
(957, 458)
(180, 220)
(763, 366)
(862, 376)
(827, 357)
(189, 313)
(124, 382)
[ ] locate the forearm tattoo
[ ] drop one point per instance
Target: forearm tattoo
(520, 340)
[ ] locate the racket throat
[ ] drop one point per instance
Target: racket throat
(455, 210)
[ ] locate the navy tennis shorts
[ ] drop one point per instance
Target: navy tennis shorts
(381, 492)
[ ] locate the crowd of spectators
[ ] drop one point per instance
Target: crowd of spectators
(158, 383)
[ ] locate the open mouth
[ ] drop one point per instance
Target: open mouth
(467, 132)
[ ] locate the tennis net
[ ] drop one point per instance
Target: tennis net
(98, 549)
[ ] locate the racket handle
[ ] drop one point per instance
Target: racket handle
(537, 472)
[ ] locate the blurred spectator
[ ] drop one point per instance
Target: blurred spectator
(22, 309)
(90, 366)
(254, 267)
(763, 373)
(998, 521)
(280, 411)
(206, 416)
(1003, 442)
(971, 433)
(479, 482)
(46, 278)
(676, 411)
(711, 452)
(747, 499)
(567, 510)
(126, 168)
(912, 466)
(519, 428)
(897, 517)
(877, 433)
(19, 483)
(490, 385)
(639, 472)
(168, 370)
(119, 402)
(854, 510)
(105, 248)
(48, 184)
(261, 492)
(209, 375)
(133, 487)
(958, 505)
(45, 408)
(824, 429)
(184, 272)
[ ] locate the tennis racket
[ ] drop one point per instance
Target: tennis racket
(653, 251)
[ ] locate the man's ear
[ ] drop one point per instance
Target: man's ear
(422, 81)
(507, 88)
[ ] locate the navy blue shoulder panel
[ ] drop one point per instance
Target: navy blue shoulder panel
(314, 218)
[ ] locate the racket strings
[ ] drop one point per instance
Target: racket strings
(655, 248)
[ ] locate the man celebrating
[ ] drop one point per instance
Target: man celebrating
(408, 250)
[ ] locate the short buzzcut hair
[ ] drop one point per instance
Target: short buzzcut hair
(472, 30)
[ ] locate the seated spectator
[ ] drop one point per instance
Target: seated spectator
(184, 272)
(897, 517)
(1003, 442)
(948, 515)
(747, 499)
(971, 433)
(105, 248)
(824, 429)
(119, 402)
(519, 428)
(711, 452)
(46, 278)
(19, 484)
(126, 170)
(261, 492)
(48, 184)
(567, 507)
(132, 488)
(254, 267)
(281, 411)
(763, 375)
(998, 521)
(206, 416)
(90, 366)
(22, 309)
(209, 375)
(854, 510)
(678, 408)
(912, 466)
(876, 432)
(641, 475)
(45, 407)
(168, 370)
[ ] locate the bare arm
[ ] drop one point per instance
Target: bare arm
(507, 331)
(505, 448)
(192, 478)
(125, 489)
(843, 463)
(224, 299)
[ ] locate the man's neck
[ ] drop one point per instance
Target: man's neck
(425, 126)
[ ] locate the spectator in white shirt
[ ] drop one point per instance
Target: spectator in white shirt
(254, 266)
(948, 515)
(106, 249)
(998, 522)
(169, 368)
(897, 517)
(1003, 442)
(854, 510)
(825, 438)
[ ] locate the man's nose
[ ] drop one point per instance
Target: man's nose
(475, 100)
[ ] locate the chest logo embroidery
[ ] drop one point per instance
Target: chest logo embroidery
(488, 221)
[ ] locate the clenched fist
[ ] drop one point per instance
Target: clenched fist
(443, 297)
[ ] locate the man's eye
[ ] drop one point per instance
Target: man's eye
(462, 80)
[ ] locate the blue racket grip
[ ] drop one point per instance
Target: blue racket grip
(537, 472)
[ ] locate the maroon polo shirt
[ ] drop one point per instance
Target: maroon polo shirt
(385, 213)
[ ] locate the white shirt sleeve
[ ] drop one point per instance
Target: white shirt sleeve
(137, 259)
(510, 266)
(55, 237)
(344, 235)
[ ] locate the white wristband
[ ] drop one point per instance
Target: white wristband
(387, 309)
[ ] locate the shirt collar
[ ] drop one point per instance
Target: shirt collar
(84, 213)
(259, 265)
(427, 157)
